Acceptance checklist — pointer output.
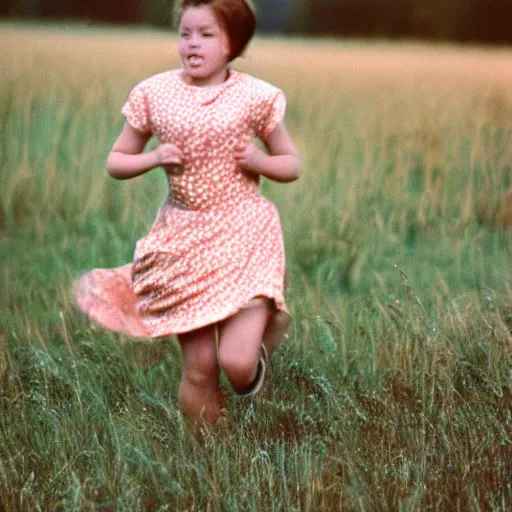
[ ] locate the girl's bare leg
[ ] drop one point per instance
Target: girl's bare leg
(200, 395)
(276, 330)
(241, 337)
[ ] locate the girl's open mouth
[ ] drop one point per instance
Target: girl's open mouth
(195, 60)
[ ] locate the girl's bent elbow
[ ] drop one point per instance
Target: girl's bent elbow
(112, 170)
(291, 176)
(298, 171)
(113, 174)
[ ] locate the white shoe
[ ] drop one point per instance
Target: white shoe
(257, 383)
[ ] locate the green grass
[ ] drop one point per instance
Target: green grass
(394, 391)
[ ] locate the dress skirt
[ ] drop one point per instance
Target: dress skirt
(194, 268)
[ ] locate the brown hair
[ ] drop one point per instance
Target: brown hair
(237, 18)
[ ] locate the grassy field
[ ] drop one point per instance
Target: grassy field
(394, 391)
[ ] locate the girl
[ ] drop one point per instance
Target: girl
(211, 269)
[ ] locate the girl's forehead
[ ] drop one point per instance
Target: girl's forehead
(199, 15)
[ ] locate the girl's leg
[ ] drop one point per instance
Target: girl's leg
(200, 394)
(240, 343)
(276, 330)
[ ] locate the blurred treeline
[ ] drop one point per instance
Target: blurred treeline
(457, 20)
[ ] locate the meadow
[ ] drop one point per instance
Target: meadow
(394, 391)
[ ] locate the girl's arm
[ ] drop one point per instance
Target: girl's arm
(127, 160)
(281, 164)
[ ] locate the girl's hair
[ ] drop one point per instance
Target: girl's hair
(237, 18)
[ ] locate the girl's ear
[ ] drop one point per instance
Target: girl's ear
(226, 47)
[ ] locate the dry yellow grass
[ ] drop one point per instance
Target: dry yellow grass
(355, 108)
(404, 63)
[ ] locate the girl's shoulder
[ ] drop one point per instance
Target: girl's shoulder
(258, 94)
(257, 85)
(163, 79)
(265, 102)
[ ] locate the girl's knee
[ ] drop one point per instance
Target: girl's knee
(204, 374)
(240, 369)
(199, 361)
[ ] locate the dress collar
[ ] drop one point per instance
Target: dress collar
(209, 93)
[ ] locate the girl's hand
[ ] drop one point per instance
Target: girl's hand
(250, 158)
(168, 155)
(282, 163)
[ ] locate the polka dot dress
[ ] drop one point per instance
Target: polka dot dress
(216, 243)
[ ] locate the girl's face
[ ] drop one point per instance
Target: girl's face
(203, 47)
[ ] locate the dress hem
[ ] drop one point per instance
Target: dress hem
(280, 309)
(214, 319)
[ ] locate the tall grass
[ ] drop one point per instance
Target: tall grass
(394, 390)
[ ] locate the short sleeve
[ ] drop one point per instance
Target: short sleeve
(136, 109)
(274, 114)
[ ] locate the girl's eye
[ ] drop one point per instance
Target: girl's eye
(208, 34)
(184, 35)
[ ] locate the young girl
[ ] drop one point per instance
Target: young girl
(211, 269)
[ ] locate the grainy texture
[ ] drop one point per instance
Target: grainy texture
(394, 389)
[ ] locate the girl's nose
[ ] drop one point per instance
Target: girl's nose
(193, 41)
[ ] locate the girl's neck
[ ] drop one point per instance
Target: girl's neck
(217, 78)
